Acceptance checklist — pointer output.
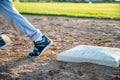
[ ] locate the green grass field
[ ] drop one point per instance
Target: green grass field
(95, 10)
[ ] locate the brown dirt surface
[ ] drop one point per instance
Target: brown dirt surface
(66, 33)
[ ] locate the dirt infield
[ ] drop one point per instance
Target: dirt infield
(66, 33)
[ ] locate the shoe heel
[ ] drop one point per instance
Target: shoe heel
(6, 39)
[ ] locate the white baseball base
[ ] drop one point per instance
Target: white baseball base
(92, 54)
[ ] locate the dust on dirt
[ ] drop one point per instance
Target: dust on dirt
(66, 33)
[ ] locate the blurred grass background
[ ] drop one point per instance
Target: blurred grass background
(85, 10)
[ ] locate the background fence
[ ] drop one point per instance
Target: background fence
(67, 0)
